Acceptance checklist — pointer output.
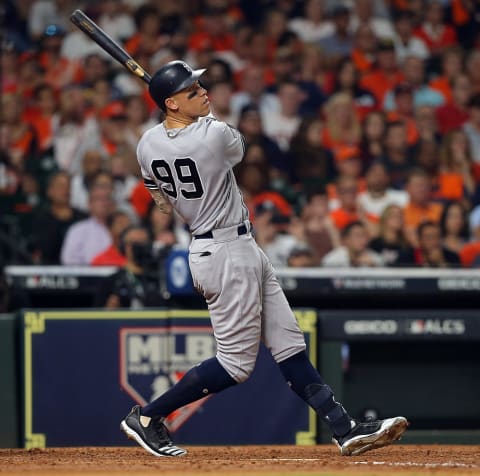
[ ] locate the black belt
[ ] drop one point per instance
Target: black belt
(241, 230)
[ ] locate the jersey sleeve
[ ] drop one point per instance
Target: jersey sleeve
(234, 144)
(148, 181)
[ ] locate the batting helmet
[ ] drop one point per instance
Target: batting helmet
(170, 79)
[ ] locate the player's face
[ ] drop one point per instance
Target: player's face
(193, 100)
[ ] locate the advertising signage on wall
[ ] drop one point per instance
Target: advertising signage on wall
(84, 370)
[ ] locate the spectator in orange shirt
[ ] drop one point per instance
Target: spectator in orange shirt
(434, 32)
(403, 110)
(117, 223)
(364, 49)
(456, 180)
(455, 113)
(452, 66)
(347, 212)
(420, 207)
(18, 138)
(214, 31)
(342, 127)
(148, 37)
(386, 74)
(59, 70)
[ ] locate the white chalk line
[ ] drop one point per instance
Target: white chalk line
(446, 464)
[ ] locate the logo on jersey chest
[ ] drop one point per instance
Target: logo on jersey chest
(154, 359)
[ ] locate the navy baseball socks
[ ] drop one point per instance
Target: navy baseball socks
(351, 438)
(145, 425)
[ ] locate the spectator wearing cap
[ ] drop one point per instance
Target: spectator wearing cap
(405, 43)
(423, 95)
(455, 113)
(114, 131)
(363, 13)
(436, 34)
(43, 13)
(472, 129)
(59, 70)
(301, 257)
(313, 25)
(420, 207)
(354, 251)
(271, 233)
(386, 74)
(340, 43)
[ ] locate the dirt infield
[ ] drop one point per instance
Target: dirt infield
(319, 460)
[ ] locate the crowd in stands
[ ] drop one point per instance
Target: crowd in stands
(361, 119)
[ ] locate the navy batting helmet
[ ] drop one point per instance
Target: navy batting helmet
(170, 79)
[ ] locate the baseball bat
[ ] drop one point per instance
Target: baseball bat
(90, 28)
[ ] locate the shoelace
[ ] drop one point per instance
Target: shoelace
(162, 432)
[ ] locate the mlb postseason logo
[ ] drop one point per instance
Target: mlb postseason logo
(154, 359)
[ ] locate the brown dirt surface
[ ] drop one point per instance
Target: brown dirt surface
(321, 460)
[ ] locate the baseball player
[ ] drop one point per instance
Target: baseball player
(186, 163)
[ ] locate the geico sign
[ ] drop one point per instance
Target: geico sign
(370, 327)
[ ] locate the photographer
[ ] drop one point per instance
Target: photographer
(138, 283)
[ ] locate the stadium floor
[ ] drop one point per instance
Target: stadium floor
(319, 460)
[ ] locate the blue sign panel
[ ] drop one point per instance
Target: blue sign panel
(84, 370)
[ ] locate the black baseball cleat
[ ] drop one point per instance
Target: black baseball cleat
(153, 437)
(370, 435)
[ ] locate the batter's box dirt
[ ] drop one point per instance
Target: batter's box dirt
(319, 460)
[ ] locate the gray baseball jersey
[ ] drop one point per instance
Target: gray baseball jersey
(193, 168)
